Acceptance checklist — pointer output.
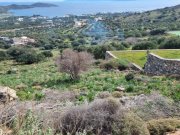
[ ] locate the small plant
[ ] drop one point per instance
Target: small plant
(39, 96)
(129, 77)
(104, 94)
(130, 88)
(117, 94)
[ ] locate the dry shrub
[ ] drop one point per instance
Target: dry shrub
(153, 106)
(73, 62)
(129, 124)
(161, 126)
(104, 94)
(96, 118)
(117, 94)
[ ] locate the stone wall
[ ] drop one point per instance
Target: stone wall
(109, 55)
(157, 65)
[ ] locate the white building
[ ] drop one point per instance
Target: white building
(20, 19)
(22, 40)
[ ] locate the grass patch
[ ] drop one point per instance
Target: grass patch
(140, 57)
(45, 75)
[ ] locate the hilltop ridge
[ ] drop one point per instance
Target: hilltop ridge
(5, 9)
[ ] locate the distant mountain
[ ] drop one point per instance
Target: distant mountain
(4, 9)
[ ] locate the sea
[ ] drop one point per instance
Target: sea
(82, 7)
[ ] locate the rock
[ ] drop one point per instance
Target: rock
(175, 133)
(7, 94)
(120, 89)
(12, 71)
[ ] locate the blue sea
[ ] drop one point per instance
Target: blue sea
(80, 7)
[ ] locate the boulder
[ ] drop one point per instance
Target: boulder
(120, 89)
(7, 94)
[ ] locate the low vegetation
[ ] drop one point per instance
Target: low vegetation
(65, 87)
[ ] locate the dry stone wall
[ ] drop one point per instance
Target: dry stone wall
(157, 65)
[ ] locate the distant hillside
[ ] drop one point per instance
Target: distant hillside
(4, 9)
(137, 24)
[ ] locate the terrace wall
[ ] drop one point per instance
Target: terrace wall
(157, 65)
(109, 55)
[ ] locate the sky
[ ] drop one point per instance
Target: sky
(51, 0)
(48, 0)
(29, 0)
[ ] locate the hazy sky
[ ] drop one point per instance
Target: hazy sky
(72, 0)
(29, 0)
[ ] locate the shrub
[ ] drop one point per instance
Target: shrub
(145, 46)
(48, 47)
(15, 52)
(47, 54)
(96, 118)
(73, 63)
(30, 58)
(3, 56)
(117, 94)
(171, 43)
(104, 94)
(114, 64)
(130, 88)
(4, 45)
(129, 77)
(161, 126)
(129, 124)
(157, 31)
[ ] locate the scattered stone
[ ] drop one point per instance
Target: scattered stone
(175, 133)
(12, 71)
(7, 94)
(120, 89)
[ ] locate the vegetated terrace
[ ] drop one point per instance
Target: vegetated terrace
(26, 78)
(139, 57)
(174, 33)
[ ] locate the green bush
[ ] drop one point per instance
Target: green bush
(3, 56)
(115, 64)
(15, 52)
(30, 58)
(39, 96)
(47, 54)
(4, 45)
(171, 43)
(145, 46)
(161, 126)
(130, 88)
